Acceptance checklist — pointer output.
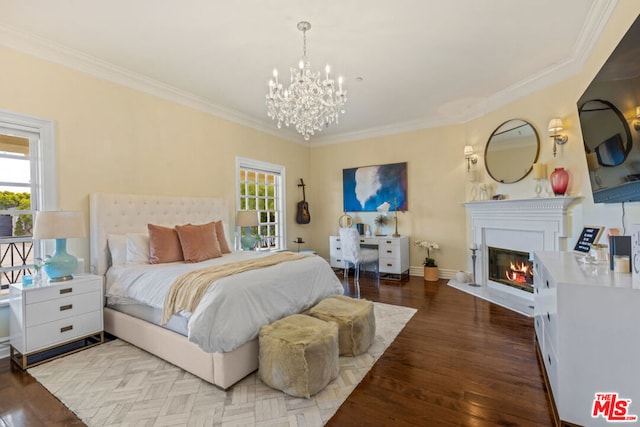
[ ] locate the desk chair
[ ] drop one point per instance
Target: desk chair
(352, 253)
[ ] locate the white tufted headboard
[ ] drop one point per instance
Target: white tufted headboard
(128, 213)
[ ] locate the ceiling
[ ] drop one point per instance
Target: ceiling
(407, 64)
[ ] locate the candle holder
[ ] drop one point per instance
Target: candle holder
(473, 258)
(538, 187)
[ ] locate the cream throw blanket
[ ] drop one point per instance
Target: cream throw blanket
(187, 290)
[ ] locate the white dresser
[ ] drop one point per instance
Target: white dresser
(587, 322)
(50, 315)
(393, 253)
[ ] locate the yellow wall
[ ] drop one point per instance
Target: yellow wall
(115, 139)
(435, 189)
(437, 168)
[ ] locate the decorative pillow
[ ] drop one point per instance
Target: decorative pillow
(117, 248)
(199, 242)
(137, 248)
(222, 238)
(164, 245)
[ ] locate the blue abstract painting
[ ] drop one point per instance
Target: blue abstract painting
(365, 188)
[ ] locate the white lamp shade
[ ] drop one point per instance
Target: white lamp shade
(384, 207)
(555, 125)
(468, 150)
(247, 218)
(58, 225)
(638, 111)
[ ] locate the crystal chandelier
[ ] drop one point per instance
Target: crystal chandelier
(308, 103)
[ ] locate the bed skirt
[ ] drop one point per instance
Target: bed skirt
(220, 369)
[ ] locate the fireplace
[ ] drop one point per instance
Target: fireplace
(506, 231)
(510, 268)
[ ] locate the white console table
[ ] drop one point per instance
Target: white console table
(393, 262)
(587, 320)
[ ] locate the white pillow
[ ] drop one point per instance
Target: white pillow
(117, 248)
(137, 248)
(225, 227)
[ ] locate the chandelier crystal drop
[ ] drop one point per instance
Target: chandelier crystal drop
(308, 103)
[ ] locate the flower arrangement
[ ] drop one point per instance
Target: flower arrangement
(381, 220)
(429, 246)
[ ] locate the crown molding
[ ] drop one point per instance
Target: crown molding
(42, 48)
(595, 23)
(77, 60)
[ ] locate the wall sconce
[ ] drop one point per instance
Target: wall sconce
(471, 158)
(636, 122)
(555, 126)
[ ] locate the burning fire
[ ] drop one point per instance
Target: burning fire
(518, 272)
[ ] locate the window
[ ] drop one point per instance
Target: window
(261, 188)
(27, 184)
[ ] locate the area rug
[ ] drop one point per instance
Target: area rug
(117, 384)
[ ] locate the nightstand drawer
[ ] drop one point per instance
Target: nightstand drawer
(73, 287)
(63, 330)
(60, 308)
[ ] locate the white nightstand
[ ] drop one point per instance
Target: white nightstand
(52, 315)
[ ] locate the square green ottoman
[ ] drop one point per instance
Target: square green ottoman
(298, 355)
(356, 322)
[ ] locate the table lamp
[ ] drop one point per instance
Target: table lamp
(59, 225)
(384, 208)
(246, 220)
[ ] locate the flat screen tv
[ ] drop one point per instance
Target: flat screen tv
(607, 110)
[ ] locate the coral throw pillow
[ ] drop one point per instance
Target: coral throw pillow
(164, 245)
(199, 242)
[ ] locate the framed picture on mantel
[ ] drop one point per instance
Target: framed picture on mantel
(365, 188)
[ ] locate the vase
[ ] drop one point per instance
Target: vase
(462, 277)
(559, 181)
(431, 274)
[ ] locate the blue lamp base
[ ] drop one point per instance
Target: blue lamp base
(61, 265)
(247, 241)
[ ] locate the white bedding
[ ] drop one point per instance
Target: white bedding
(233, 310)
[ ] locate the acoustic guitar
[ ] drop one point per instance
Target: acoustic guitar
(303, 216)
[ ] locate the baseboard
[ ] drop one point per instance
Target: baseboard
(443, 273)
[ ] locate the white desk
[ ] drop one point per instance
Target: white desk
(393, 262)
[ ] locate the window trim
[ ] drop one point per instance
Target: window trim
(43, 163)
(244, 162)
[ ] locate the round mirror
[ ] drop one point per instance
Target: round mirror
(511, 151)
(605, 132)
(345, 221)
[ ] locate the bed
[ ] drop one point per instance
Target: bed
(221, 350)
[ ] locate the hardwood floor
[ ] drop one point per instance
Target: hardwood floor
(460, 361)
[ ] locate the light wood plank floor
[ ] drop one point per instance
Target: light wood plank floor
(460, 361)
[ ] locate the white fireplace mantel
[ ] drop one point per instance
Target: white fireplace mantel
(549, 214)
(520, 224)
